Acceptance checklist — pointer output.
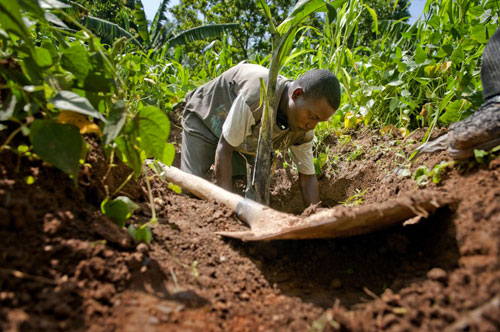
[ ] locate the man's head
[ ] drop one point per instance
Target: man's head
(312, 98)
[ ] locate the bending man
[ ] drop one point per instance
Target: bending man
(221, 123)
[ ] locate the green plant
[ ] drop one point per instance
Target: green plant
(484, 157)
(282, 41)
(320, 161)
(58, 86)
(422, 175)
(356, 154)
(357, 199)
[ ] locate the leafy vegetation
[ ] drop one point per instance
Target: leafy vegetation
(58, 86)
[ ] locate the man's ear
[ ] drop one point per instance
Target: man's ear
(297, 92)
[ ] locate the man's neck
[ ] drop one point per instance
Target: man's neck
(283, 105)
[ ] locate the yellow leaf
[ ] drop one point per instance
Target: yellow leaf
(445, 66)
(388, 129)
(431, 71)
(174, 188)
(404, 131)
(350, 121)
(79, 120)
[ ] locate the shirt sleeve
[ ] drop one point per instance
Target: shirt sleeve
(302, 155)
(238, 123)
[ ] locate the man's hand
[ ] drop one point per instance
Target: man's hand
(309, 189)
(223, 164)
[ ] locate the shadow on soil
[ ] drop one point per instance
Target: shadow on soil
(152, 281)
(320, 271)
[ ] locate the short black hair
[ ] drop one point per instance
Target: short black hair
(318, 83)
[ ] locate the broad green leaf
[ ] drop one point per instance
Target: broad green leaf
(302, 10)
(454, 111)
(11, 21)
(58, 144)
(119, 209)
(130, 154)
(420, 55)
(70, 101)
(476, 11)
(49, 46)
(42, 56)
(143, 234)
(435, 22)
(154, 127)
(443, 51)
(132, 231)
(458, 55)
(168, 154)
(76, 60)
(479, 34)
(116, 120)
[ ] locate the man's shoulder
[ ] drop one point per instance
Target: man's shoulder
(249, 69)
(245, 72)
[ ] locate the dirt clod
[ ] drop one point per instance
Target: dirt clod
(437, 274)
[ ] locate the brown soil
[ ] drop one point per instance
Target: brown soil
(66, 267)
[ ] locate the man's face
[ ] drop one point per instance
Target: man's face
(304, 114)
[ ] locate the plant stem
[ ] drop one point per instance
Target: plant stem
(123, 184)
(150, 194)
(10, 138)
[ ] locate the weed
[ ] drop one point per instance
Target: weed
(423, 175)
(484, 157)
(356, 199)
(356, 154)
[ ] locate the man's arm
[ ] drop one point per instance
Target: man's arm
(309, 189)
(223, 164)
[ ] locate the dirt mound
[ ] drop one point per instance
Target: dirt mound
(66, 267)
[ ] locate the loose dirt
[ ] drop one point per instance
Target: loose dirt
(66, 267)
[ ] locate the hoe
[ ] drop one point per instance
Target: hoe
(268, 224)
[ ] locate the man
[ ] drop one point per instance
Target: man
(221, 123)
(482, 129)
